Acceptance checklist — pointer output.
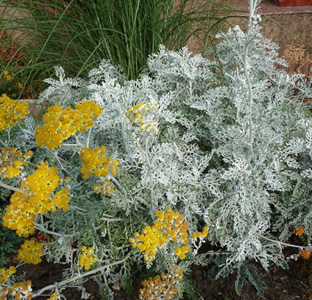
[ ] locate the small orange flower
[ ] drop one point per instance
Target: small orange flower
(305, 254)
(299, 231)
(8, 77)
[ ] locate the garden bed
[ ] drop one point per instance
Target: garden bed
(292, 284)
(161, 186)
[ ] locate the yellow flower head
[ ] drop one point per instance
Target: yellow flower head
(162, 286)
(181, 252)
(201, 235)
(39, 196)
(30, 252)
(87, 257)
(170, 226)
(6, 73)
(299, 231)
(11, 111)
(143, 114)
(6, 273)
(61, 124)
(95, 163)
(54, 296)
(305, 254)
(12, 162)
(19, 290)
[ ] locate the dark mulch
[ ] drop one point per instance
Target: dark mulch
(292, 284)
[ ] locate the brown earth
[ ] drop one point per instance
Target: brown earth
(279, 284)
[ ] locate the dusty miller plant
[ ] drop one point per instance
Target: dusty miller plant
(226, 142)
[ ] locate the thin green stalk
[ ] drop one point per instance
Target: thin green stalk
(79, 35)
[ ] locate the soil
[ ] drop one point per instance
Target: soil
(292, 284)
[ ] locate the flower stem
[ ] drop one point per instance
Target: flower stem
(88, 138)
(3, 143)
(286, 244)
(11, 188)
(115, 181)
(92, 272)
(41, 228)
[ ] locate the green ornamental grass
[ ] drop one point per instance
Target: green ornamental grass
(79, 34)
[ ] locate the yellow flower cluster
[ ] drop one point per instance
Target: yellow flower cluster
(64, 123)
(305, 254)
(7, 75)
(95, 163)
(11, 111)
(180, 252)
(161, 287)
(299, 231)
(12, 162)
(169, 226)
(6, 273)
(54, 296)
(19, 290)
(142, 114)
(38, 196)
(87, 257)
(30, 252)
(202, 234)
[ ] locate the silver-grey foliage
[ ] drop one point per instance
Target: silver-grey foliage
(233, 143)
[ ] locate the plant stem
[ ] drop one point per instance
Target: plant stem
(11, 188)
(5, 145)
(107, 220)
(88, 138)
(41, 228)
(252, 7)
(286, 244)
(250, 96)
(112, 220)
(113, 179)
(92, 272)
(70, 145)
(147, 153)
(78, 142)
(72, 207)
